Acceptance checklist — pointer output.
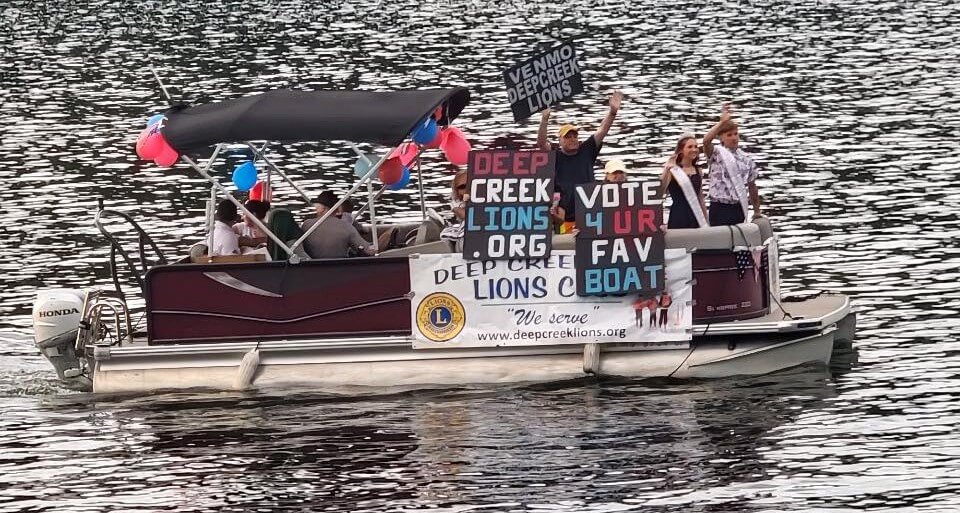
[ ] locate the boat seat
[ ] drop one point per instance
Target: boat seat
(766, 229)
(715, 237)
(711, 238)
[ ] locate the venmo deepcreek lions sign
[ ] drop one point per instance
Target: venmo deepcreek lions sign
(468, 303)
(543, 81)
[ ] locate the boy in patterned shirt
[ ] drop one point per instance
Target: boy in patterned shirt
(733, 174)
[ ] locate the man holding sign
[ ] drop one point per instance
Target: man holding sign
(575, 160)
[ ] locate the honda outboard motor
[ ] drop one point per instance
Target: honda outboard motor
(56, 320)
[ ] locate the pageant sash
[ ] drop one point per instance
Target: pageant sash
(733, 176)
(693, 200)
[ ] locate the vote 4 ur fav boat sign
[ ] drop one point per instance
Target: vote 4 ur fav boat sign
(621, 285)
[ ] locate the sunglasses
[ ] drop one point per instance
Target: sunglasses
(462, 187)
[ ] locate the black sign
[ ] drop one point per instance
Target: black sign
(508, 211)
(620, 242)
(543, 81)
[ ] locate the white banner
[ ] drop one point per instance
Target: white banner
(490, 303)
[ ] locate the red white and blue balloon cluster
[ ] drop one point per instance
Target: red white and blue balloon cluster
(395, 171)
(151, 145)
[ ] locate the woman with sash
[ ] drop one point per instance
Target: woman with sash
(733, 174)
(683, 179)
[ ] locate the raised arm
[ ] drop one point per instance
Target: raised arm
(615, 100)
(713, 132)
(542, 142)
(666, 176)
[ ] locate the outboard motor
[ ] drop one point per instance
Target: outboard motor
(56, 320)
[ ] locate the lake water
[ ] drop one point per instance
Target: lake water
(851, 107)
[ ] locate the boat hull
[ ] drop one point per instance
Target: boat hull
(391, 362)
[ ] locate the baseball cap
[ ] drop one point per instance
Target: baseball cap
(327, 199)
(568, 128)
(615, 166)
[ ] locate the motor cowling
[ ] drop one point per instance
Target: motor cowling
(56, 319)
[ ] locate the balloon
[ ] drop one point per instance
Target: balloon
(425, 131)
(455, 146)
(152, 145)
(142, 138)
(404, 180)
(406, 152)
(261, 192)
(391, 171)
(438, 112)
(362, 166)
(245, 176)
(156, 118)
(167, 157)
(436, 142)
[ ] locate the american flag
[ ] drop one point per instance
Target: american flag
(744, 260)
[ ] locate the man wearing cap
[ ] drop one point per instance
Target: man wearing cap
(335, 236)
(615, 172)
(575, 160)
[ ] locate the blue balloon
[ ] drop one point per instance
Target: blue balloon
(404, 180)
(245, 176)
(154, 119)
(425, 132)
(362, 166)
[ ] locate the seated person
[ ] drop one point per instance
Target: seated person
(249, 234)
(459, 195)
(225, 240)
(335, 236)
(286, 229)
(615, 171)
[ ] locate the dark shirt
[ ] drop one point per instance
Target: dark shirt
(573, 170)
(681, 213)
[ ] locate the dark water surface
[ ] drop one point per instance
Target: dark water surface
(851, 106)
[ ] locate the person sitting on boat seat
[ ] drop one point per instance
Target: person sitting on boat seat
(225, 240)
(575, 160)
(615, 171)
(459, 196)
(335, 236)
(249, 235)
(733, 174)
(281, 223)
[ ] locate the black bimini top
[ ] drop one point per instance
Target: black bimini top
(292, 116)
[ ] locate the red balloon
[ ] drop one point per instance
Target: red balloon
(167, 157)
(142, 138)
(438, 113)
(391, 171)
(455, 146)
(406, 152)
(261, 192)
(152, 145)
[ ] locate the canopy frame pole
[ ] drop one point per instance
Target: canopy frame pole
(363, 209)
(212, 206)
(271, 165)
(373, 215)
(373, 218)
(163, 88)
(344, 198)
(222, 189)
(423, 204)
(261, 154)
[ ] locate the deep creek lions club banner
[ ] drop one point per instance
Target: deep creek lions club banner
(542, 81)
(490, 303)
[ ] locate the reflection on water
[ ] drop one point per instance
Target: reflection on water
(850, 106)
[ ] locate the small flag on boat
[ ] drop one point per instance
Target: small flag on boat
(744, 259)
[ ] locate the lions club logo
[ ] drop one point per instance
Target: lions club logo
(440, 317)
